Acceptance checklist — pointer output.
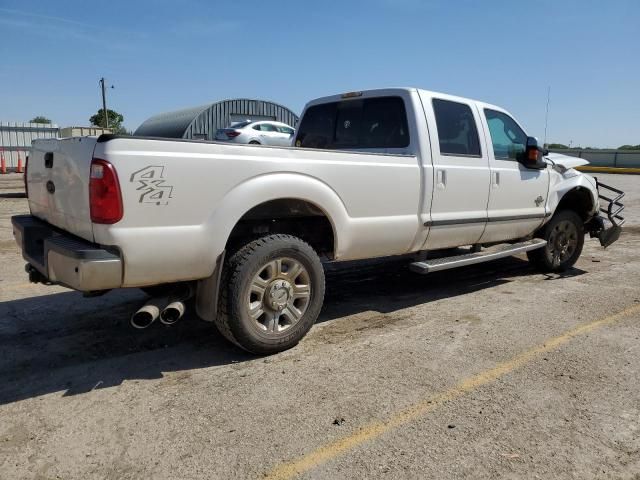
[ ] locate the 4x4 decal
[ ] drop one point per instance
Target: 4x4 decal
(152, 185)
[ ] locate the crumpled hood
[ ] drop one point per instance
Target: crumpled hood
(566, 161)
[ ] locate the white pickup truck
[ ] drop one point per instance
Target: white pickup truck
(245, 229)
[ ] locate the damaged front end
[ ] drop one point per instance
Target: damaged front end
(597, 227)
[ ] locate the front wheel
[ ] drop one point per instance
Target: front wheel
(271, 294)
(564, 234)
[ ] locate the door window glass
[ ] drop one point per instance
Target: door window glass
(457, 132)
(508, 139)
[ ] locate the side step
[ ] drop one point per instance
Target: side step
(495, 253)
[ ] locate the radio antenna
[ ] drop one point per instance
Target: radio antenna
(546, 115)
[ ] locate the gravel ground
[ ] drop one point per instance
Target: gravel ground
(404, 376)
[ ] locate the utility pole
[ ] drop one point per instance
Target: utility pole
(104, 102)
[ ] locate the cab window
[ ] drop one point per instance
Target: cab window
(379, 122)
(508, 140)
(457, 132)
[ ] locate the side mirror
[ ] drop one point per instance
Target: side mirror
(532, 157)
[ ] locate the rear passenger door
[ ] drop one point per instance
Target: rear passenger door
(461, 173)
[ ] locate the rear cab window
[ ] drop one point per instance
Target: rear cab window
(363, 123)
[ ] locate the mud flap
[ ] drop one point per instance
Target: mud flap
(207, 292)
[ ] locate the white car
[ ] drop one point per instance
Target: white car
(257, 133)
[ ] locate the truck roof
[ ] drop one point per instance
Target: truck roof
(379, 92)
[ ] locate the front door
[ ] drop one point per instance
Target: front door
(461, 173)
(518, 195)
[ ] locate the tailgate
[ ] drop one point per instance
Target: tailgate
(58, 180)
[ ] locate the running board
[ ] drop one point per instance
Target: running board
(495, 253)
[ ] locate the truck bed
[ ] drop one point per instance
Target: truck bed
(182, 197)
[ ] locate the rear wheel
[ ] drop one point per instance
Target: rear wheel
(565, 238)
(272, 292)
(254, 142)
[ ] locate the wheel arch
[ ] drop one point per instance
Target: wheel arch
(288, 215)
(577, 193)
(258, 194)
(579, 200)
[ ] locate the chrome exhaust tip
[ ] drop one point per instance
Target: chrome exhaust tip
(172, 313)
(148, 313)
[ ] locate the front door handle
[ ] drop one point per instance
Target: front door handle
(441, 179)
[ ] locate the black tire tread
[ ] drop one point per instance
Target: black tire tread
(538, 257)
(230, 274)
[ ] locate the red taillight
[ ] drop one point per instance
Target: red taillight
(231, 133)
(105, 199)
(24, 176)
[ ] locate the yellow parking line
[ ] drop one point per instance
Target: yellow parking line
(377, 428)
(591, 169)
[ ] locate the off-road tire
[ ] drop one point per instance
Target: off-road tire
(543, 258)
(233, 320)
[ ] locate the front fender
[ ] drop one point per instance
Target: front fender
(562, 183)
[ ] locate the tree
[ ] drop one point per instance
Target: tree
(629, 147)
(115, 121)
(40, 119)
(557, 146)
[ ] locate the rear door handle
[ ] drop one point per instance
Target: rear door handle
(441, 178)
(496, 179)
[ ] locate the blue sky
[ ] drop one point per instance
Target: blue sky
(163, 55)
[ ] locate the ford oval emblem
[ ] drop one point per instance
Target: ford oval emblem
(51, 188)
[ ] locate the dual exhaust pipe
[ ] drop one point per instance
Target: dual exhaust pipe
(168, 309)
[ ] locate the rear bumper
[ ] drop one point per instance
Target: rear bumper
(56, 257)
